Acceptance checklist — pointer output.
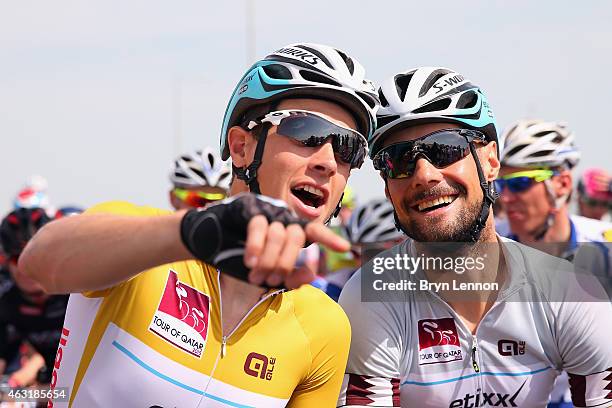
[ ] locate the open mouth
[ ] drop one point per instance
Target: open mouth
(309, 195)
(434, 204)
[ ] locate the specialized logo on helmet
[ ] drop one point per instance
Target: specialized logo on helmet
(182, 317)
(259, 366)
(448, 83)
(487, 399)
(299, 54)
(438, 341)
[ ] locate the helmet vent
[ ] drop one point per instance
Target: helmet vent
(542, 153)
(467, 100)
(347, 61)
(385, 120)
(541, 134)
(316, 52)
(211, 160)
(198, 172)
(434, 106)
(316, 77)
(401, 84)
(367, 98)
(516, 150)
(558, 139)
(433, 78)
(383, 101)
(277, 71)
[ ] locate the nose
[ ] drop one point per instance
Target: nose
(425, 174)
(506, 196)
(323, 160)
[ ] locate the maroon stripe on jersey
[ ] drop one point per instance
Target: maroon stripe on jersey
(395, 386)
(357, 390)
(578, 388)
(609, 386)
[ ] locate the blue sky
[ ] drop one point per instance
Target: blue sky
(100, 96)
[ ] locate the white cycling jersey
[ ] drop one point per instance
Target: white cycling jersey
(419, 353)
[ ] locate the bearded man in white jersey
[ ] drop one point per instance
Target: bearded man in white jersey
(437, 151)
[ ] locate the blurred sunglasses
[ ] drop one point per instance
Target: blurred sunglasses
(195, 198)
(441, 148)
(312, 130)
(522, 180)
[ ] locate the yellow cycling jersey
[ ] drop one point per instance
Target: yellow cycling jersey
(156, 340)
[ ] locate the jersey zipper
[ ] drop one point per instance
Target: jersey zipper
(474, 350)
(224, 339)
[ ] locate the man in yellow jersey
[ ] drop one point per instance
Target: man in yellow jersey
(152, 327)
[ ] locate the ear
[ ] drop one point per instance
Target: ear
(387, 192)
(240, 142)
(176, 203)
(489, 161)
(563, 183)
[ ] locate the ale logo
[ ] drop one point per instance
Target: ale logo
(259, 366)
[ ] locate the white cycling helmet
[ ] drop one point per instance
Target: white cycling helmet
(537, 143)
(431, 94)
(372, 222)
(201, 168)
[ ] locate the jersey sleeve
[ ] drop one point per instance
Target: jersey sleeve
(119, 208)
(373, 371)
(584, 332)
(328, 333)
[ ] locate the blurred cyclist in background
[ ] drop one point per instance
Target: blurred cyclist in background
(34, 195)
(595, 195)
(536, 185)
(371, 228)
(27, 313)
(199, 178)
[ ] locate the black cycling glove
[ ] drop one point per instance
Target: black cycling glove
(217, 234)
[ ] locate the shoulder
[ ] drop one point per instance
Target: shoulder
(319, 316)
(125, 208)
(552, 278)
(588, 229)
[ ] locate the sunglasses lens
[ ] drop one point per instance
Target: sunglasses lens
(313, 131)
(441, 149)
(499, 185)
(519, 184)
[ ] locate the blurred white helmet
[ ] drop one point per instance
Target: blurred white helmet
(537, 143)
(372, 222)
(201, 168)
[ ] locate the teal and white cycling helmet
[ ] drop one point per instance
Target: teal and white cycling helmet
(431, 94)
(307, 71)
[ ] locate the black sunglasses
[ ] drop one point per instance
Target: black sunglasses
(441, 148)
(312, 130)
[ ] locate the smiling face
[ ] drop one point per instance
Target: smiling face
(440, 205)
(309, 179)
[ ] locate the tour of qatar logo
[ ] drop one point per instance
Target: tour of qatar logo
(438, 341)
(183, 316)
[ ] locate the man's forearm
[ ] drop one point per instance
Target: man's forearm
(96, 251)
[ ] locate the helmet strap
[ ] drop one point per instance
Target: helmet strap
(489, 197)
(249, 175)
